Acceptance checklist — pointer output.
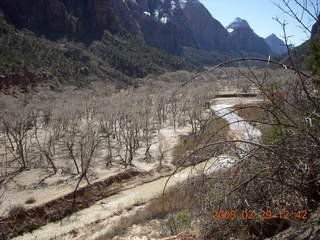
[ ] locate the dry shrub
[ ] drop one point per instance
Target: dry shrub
(256, 114)
(248, 186)
(177, 223)
(173, 200)
(16, 210)
(252, 112)
(119, 229)
(171, 208)
(30, 200)
(88, 195)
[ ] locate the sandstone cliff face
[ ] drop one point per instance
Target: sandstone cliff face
(173, 24)
(80, 19)
(46, 17)
(208, 32)
(85, 20)
(170, 36)
(166, 24)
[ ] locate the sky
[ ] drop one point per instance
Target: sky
(259, 14)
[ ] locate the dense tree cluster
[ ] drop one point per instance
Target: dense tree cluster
(69, 130)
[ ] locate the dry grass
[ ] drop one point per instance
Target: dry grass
(253, 112)
(175, 199)
(172, 206)
(214, 131)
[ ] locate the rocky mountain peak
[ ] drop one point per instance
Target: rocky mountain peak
(273, 37)
(276, 44)
(186, 22)
(208, 33)
(238, 23)
(244, 39)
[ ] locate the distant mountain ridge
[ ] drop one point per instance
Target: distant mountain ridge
(276, 44)
(167, 24)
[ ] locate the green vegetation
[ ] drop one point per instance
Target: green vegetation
(20, 51)
(117, 58)
(203, 58)
(128, 55)
(178, 222)
(312, 62)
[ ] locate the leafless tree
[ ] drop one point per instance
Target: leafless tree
(161, 108)
(108, 125)
(129, 132)
(146, 124)
(17, 125)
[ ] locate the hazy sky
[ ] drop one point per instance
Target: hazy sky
(259, 14)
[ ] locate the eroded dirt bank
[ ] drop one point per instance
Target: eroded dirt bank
(34, 218)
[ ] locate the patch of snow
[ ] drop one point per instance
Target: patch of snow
(173, 5)
(147, 13)
(230, 30)
(239, 23)
(183, 3)
(164, 20)
(156, 13)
